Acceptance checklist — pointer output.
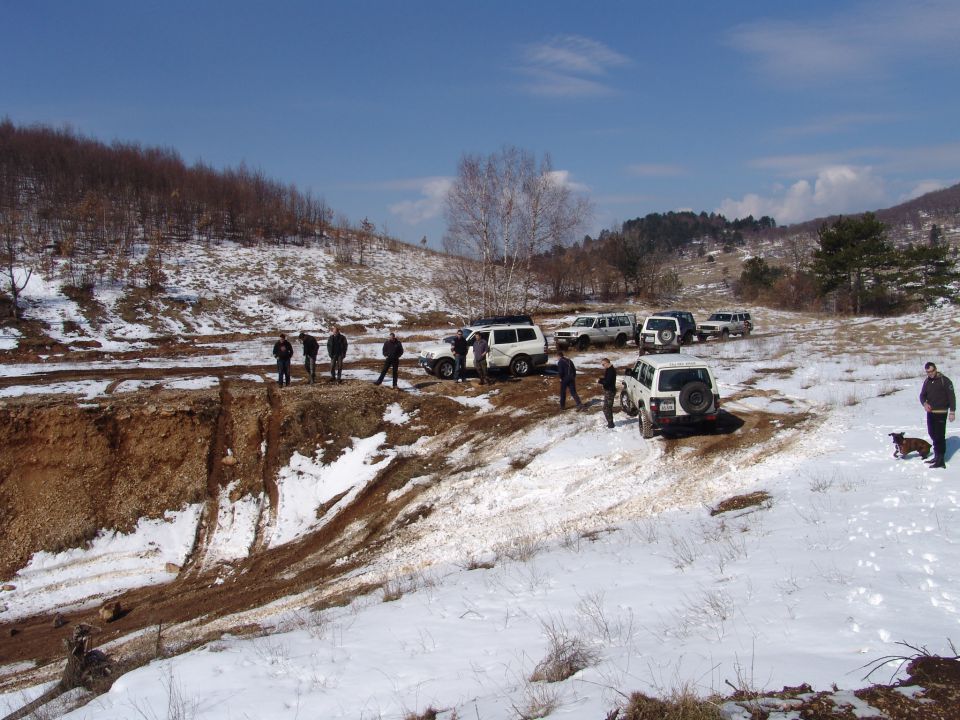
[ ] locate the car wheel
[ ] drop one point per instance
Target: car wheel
(701, 338)
(646, 425)
(695, 397)
(520, 366)
(583, 342)
(687, 339)
(627, 405)
(621, 340)
(443, 369)
(666, 336)
(725, 335)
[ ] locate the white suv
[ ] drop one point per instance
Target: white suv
(660, 334)
(724, 323)
(517, 348)
(609, 327)
(670, 391)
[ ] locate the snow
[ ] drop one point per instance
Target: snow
(568, 529)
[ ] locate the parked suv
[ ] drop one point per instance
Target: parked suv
(598, 329)
(688, 326)
(659, 334)
(724, 323)
(670, 391)
(517, 348)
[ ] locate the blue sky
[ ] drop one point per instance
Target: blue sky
(790, 109)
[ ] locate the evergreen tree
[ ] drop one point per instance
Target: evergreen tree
(928, 274)
(853, 256)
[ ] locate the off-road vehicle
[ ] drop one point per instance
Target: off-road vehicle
(659, 334)
(724, 323)
(688, 325)
(670, 391)
(517, 348)
(597, 329)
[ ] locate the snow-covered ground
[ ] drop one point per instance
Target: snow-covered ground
(604, 539)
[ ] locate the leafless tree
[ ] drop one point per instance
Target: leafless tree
(502, 211)
(15, 257)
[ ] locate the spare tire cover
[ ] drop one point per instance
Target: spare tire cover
(695, 397)
(666, 336)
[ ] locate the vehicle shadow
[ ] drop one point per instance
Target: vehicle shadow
(726, 424)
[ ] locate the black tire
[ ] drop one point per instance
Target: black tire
(645, 424)
(666, 336)
(520, 366)
(583, 342)
(626, 405)
(695, 397)
(444, 369)
(621, 340)
(687, 338)
(701, 338)
(725, 335)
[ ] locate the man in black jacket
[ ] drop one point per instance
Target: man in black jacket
(459, 347)
(568, 380)
(337, 350)
(310, 348)
(283, 351)
(609, 384)
(940, 402)
(392, 351)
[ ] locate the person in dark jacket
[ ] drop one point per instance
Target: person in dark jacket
(480, 351)
(609, 384)
(337, 350)
(310, 348)
(392, 352)
(459, 347)
(568, 380)
(283, 351)
(940, 402)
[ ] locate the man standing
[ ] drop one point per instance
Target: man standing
(459, 346)
(310, 348)
(337, 350)
(480, 350)
(392, 351)
(609, 384)
(568, 380)
(283, 351)
(940, 402)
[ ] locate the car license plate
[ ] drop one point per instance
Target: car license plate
(667, 406)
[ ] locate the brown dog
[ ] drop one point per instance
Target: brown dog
(906, 445)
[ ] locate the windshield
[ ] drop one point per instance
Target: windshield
(583, 322)
(660, 324)
(673, 380)
(721, 317)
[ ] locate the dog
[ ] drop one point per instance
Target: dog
(906, 445)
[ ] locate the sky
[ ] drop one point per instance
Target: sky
(794, 110)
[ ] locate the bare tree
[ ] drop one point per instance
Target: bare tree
(502, 211)
(15, 257)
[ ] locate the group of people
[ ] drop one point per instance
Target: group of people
(336, 349)
(937, 394)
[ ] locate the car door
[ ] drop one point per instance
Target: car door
(503, 345)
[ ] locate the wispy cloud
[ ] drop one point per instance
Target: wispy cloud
(568, 66)
(433, 193)
(655, 170)
(564, 178)
(832, 124)
(854, 43)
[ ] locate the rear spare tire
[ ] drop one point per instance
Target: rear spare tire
(695, 397)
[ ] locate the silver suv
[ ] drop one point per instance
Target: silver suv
(724, 323)
(517, 348)
(670, 391)
(659, 334)
(597, 329)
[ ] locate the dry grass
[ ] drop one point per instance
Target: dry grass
(760, 498)
(566, 655)
(682, 704)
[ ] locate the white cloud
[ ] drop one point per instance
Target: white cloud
(837, 189)
(433, 193)
(568, 66)
(923, 187)
(562, 177)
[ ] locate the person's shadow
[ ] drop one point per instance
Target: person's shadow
(953, 445)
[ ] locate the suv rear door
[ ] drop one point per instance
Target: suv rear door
(503, 345)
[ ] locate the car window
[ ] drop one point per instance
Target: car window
(524, 334)
(721, 317)
(673, 380)
(646, 375)
(602, 323)
(661, 324)
(504, 337)
(583, 322)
